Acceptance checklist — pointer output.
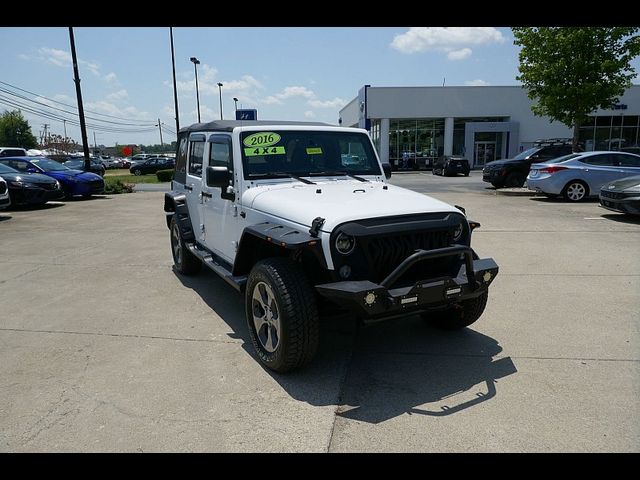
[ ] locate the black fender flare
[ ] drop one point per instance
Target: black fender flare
(277, 238)
(175, 205)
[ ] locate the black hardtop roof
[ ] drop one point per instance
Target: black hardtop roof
(229, 125)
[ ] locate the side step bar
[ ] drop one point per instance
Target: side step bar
(216, 264)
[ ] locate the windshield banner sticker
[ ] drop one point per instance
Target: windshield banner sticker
(314, 151)
(253, 152)
(261, 139)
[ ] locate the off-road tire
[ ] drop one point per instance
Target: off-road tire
(297, 313)
(459, 315)
(184, 261)
(497, 185)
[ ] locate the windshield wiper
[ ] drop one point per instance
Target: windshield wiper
(281, 174)
(334, 173)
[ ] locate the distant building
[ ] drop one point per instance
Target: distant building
(479, 123)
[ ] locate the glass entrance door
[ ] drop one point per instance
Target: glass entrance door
(484, 152)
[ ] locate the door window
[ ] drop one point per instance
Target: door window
(195, 159)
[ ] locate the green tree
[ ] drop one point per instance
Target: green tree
(15, 131)
(572, 71)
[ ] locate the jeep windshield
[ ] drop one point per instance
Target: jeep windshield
(304, 153)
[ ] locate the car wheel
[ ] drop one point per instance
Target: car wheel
(514, 179)
(496, 185)
(282, 315)
(433, 171)
(575, 191)
(459, 315)
(184, 261)
(137, 172)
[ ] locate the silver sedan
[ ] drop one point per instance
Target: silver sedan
(580, 175)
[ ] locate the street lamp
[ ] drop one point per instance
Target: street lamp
(235, 100)
(196, 62)
(220, 88)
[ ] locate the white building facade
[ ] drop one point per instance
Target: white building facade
(478, 123)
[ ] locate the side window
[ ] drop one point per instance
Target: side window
(603, 160)
(628, 161)
(195, 158)
(220, 155)
(181, 154)
(19, 165)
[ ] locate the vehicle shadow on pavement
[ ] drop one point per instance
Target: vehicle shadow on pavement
(622, 218)
(407, 367)
(26, 208)
(4, 217)
(387, 369)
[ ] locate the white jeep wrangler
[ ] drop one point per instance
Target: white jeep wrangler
(299, 216)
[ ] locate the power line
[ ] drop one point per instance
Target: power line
(67, 105)
(68, 112)
(53, 116)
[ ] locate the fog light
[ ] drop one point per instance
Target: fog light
(345, 271)
(370, 299)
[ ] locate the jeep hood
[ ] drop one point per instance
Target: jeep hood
(339, 201)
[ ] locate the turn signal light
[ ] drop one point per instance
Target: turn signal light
(553, 169)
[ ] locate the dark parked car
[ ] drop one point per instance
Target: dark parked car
(73, 182)
(152, 165)
(513, 172)
(30, 188)
(78, 164)
(622, 195)
(451, 166)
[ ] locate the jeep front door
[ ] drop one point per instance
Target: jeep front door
(219, 207)
(193, 183)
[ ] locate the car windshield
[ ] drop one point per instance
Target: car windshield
(564, 158)
(526, 153)
(280, 153)
(48, 165)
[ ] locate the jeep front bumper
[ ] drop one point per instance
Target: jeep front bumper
(376, 301)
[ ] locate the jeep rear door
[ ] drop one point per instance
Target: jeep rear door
(193, 182)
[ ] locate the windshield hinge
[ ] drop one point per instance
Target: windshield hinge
(315, 226)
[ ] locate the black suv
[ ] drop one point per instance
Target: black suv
(451, 166)
(513, 172)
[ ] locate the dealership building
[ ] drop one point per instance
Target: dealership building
(478, 123)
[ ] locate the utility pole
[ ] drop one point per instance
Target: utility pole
(95, 144)
(46, 137)
(64, 142)
(76, 79)
(175, 92)
(160, 129)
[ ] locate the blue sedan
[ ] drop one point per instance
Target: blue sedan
(581, 175)
(74, 182)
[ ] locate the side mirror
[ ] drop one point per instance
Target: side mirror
(387, 170)
(218, 177)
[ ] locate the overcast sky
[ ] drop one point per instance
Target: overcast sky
(285, 73)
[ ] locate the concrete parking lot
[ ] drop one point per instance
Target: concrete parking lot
(104, 348)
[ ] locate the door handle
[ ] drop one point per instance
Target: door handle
(206, 194)
(189, 187)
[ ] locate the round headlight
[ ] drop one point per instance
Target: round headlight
(457, 233)
(345, 244)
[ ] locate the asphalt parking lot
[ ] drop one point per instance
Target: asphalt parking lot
(104, 348)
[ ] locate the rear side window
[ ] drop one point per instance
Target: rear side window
(181, 154)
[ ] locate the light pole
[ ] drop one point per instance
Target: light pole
(235, 100)
(220, 88)
(196, 62)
